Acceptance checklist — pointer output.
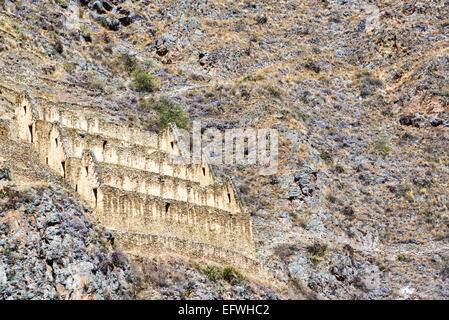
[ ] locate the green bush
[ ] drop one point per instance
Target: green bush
(129, 62)
(69, 67)
(317, 249)
(145, 82)
(382, 146)
(254, 78)
(170, 112)
(231, 275)
(104, 23)
(314, 260)
(401, 257)
(331, 198)
(327, 157)
(212, 273)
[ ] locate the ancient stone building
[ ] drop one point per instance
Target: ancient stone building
(129, 177)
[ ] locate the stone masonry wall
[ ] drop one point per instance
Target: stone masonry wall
(138, 191)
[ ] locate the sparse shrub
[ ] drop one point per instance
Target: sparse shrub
(213, 273)
(240, 25)
(14, 198)
(367, 77)
(178, 277)
(406, 191)
(327, 157)
(305, 97)
(382, 146)
(407, 136)
(314, 259)
(274, 91)
(254, 78)
(298, 220)
(317, 249)
(104, 245)
(104, 23)
(422, 183)
(105, 266)
(95, 82)
(244, 188)
(445, 90)
(48, 70)
(69, 67)
(373, 81)
(324, 79)
(145, 82)
(331, 198)
(300, 115)
(401, 257)
(428, 215)
(10, 275)
(387, 113)
(170, 112)
(129, 62)
(367, 83)
(62, 3)
(231, 275)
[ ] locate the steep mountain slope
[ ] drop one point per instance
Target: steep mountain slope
(357, 89)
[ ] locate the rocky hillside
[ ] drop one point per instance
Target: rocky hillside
(50, 247)
(50, 250)
(358, 90)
